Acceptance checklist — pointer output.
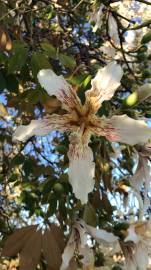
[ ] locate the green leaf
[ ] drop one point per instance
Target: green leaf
(86, 81)
(2, 82)
(64, 178)
(62, 209)
(146, 73)
(18, 59)
(52, 204)
(49, 49)
(17, 160)
(36, 95)
(61, 149)
(13, 177)
(12, 83)
(39, 61)
(58, 188)
(67, 61)
(3, 58)
(146, 38)
(28, 167)
(90, 215)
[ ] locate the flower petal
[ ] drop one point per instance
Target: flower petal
(124, 129)
(132, 236)
(141, 256)
(113, 30)
(139, 233)
(100, 235)
(97, 17)
(87, 256)
(106, 81)
(144, 92)
(142, 177)
(130, 263)
(58, 86)
(68, 252)
(137, 256)
(108, 50)
(79, 226)
(42, 127)
(81, 167)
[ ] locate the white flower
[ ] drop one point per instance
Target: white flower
(78, 243)
(97, 17)
(81, 165)
(144, 92)
(81, 121)
(108, 50)
(137, 257)
(130, 37)
(113, 30)
(140, 179)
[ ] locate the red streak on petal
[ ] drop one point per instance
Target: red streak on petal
(113, 137)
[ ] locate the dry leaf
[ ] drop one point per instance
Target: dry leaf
(17, 240)
(30, 243)
(51, 105)
(17, 31)
(96, 200)
(5, 41)
(88, 267)
(31, 253)
(58, 234)
(107, 179)
(3, 110)
(106, 204)
(51, 250)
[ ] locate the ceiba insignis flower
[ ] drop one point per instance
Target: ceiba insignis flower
(113, 30)
(81, 122)
(77, 243)
(137, 257)
(142, 178)
(97, 17)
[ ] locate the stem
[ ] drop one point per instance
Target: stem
(145, 24)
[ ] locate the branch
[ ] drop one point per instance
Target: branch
(145, 24)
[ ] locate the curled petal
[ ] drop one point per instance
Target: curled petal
(58, 86)
(68, 252)
(130, 263)
(113, 30)
(81, 167)
(87, 256)
(97, 17)
(144, 92)
(138, 258)
(42, 127)
(142, 177)
(106, 81)
(127, 250)
(80, 226)
(145, 150)
(132, 236)
(127, 130)
(108, 50)
(142, 172)
(100, 235)
(141, 256)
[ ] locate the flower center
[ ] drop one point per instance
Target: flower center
(81, 118)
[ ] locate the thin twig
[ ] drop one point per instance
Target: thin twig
(77, 5)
